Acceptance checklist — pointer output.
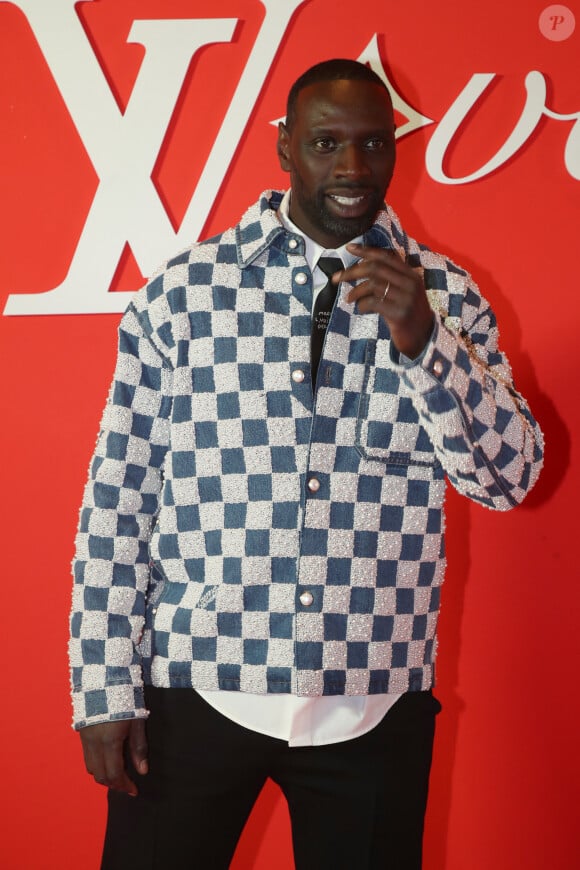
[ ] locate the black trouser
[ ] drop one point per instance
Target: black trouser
(354, 805)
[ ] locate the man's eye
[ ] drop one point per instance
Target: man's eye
(375, 144)
(324, 144)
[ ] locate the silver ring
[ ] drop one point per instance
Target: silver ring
(386, 291)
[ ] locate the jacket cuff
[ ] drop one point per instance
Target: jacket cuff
(108, 704)
(444, 362)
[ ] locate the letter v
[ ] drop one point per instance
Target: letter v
(122, 148)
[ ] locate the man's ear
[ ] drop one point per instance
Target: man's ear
(283, 147)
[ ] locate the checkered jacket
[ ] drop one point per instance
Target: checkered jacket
(237, 533)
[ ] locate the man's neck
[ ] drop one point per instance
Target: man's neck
(313, 249)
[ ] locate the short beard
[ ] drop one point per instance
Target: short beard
(342, 229)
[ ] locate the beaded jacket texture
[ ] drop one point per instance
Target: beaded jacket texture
(243, 531)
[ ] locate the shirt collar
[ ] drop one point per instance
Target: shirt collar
(313, 251)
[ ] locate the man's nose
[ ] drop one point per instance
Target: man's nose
(351, 161)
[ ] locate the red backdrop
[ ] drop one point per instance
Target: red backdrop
(506, 765)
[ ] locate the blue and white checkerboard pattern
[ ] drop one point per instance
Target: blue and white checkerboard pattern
(201, 527)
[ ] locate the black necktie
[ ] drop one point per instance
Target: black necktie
(322, 310)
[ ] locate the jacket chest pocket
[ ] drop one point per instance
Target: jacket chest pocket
(388, 428)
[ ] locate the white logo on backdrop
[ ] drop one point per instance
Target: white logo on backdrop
(124, 147)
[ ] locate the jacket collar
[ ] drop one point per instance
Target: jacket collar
(260, 227)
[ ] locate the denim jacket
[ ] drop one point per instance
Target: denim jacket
(243, 531)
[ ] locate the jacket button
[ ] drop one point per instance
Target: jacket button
(306, 599)
(313, 484)
(297, 376)
(293, 243)
(438, 367)
(301, 277)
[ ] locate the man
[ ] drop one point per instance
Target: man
(261, 539)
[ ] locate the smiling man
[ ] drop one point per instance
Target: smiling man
(260, 551)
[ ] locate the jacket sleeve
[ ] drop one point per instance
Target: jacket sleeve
(111, 564)
(482, 430)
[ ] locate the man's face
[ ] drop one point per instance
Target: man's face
(340, 153)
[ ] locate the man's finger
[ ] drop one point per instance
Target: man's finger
(138, 746)
(387, 256)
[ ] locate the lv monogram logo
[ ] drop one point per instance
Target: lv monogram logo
(124, 148)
